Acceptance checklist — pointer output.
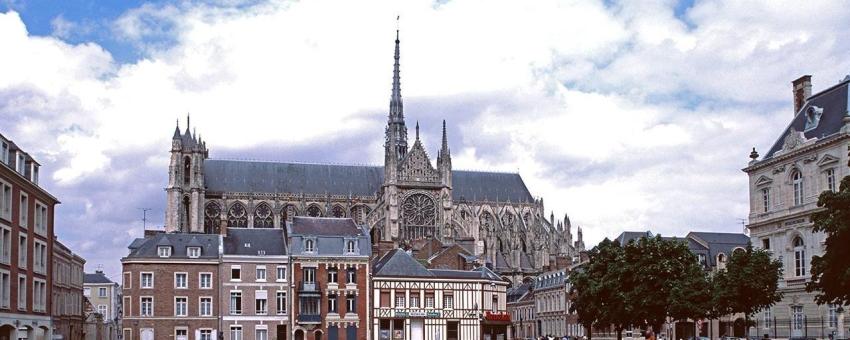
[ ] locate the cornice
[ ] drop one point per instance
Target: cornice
(817, 145)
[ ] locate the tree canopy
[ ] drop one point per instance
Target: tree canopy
(831, 271)
(748, 284)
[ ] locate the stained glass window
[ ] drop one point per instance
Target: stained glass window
(419, 209)
(338, 211)
(314, 211)
(263, 216)
(212, 218)
(237, 217)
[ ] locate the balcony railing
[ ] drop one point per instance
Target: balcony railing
(309, 318)
(309, 287)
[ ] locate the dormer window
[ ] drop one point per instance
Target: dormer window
(20, 166)
(164, 251)
(194, 252)
(4, 152)
(351, 246)
(813, 114)
(309, 246)
(34, 173)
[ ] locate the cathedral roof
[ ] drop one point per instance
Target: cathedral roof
(834, 103)
(359, 180)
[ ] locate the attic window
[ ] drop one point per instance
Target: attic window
(309, 246)
(163, 251)
(813, 114)
(194, 252)
(350, 246)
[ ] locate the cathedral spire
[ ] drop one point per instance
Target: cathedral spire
(445, 148)
(396, 107)
(177, 130)
(417, 130)
(396, 133)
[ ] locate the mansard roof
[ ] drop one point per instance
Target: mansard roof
(358, 180)
(147, 247)
(833, 101)
(324, 226)
(397, 262)
(254, 242)
(96, 278)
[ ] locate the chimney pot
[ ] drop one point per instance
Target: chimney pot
(802, 89)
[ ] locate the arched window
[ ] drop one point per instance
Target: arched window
(338, 212)
(721, 258)
(797, 181)
(263, 216)
(237, 217)
(309, 246)
(187, 170)
(351, 246)
(486, 221)
(187, 216)
(212, 218)
(287, 213)
(799, 257)
(314, 211)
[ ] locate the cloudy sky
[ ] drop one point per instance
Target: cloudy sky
(632, 115)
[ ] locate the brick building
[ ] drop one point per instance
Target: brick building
(254, 274)
(67, 295)
(170, 282)
(330, 271)
(411, 302)
(26, 247)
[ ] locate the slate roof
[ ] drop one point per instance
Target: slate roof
(96, 278)
(329, 226)
(329, 234)
(270, 242)
(833, 101)
(552, 279)
(627, 236)
(720, 243)
(397, 262)
(359, 180)
(516, 293)
(147, 247)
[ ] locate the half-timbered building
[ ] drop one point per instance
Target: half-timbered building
(411, 302)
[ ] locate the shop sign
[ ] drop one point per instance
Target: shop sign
(401, 314)
(417, 314)
(498, 316)
(432, 314)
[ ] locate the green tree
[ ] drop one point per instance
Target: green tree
(667, 282)
(597, 287)
(831, 272)
(748, 284)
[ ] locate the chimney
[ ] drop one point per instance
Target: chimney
(802, 91)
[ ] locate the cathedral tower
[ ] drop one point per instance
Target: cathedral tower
(185, 191)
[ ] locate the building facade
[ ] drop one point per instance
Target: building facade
(411, 302)
(521, 306)
(406, 200)
(26, 247)
(67, 295)
(550, 302)
(809, 157)
(170, 282)
(254, 275)
(104, 295)
(330, 271)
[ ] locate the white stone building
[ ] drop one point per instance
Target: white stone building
(809, 157)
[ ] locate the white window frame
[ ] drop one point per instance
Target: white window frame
(5, 289)
(280, 308)
(448, 301)
(261, 328)
(799, 257)
(201, 280)
(181, 328)
(400, 300)
(830, 180)
(6, 201)
(186, 306)
(142, 306)
(193, 252)
(23, 210)
(797, 184)
(278, 277)
(236, 332)
(22, 304)
(22, 252)
(257, 299)
(104, 290)
(240, 273)
(41, 218)
(309, 245)
(142, 280)
(765, 199)
(163, 251)
(5, 244)
(201, 306)
(258, 270)
(39, 256)
(202, 335)
(230, 308)
(185, 280)
(4, 152)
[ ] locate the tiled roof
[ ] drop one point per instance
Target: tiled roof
(397, 262)
(240, 241)
(96, 278)
(361, 180)
(147, 247)
(833, 101)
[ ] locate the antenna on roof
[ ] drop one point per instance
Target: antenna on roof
(144, 217)
(743, 224)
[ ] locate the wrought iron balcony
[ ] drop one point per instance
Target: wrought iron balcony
(309, 318)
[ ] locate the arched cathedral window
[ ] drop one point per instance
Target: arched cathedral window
(212, 218)
(263, 216)
(314, 211)
(287, 213)
(419, 210)
(187, 170)
(527, 218)
(338, 212)
(237, 217)
(486, 221)
(797, 181)
(187, 215)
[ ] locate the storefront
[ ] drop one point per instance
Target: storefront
(495, 326)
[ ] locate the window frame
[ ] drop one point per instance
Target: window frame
(142, 306)
(23, 256)
(193, 252)
(177, 304)
(278, 277)
(281, 308)
(201, 280)
(799, 256)
(185, 276)
(830, 179)
(142, 280)
(23, 209)
(236, 267)
(201, 305)
(163, 251)
(261, 269)
(797, 185)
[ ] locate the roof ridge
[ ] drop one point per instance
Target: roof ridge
(291, 162)
(828, 89)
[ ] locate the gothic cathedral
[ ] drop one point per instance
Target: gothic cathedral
(407, 203)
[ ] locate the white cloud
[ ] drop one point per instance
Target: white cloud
(623, 115)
